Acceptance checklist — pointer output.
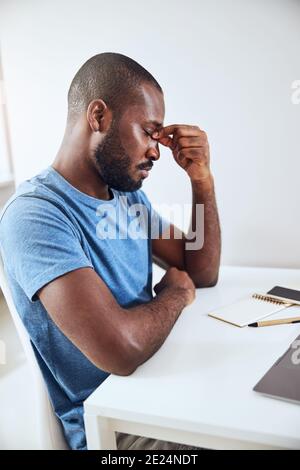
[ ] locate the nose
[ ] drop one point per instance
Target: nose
(153, 152)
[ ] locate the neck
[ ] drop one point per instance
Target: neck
(73, 161)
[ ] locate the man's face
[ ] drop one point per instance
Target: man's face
(127, 153)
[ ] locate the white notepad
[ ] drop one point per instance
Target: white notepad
(249, 310)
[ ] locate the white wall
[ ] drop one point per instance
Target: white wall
(225, 65)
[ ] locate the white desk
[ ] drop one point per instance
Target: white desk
(197, 389)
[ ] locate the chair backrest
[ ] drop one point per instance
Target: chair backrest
(49, 429)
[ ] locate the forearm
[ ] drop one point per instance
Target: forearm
(149, 324)
(203, 263)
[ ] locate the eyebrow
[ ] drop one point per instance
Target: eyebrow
(155, 123)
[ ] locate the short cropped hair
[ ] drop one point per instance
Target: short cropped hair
(112, 77)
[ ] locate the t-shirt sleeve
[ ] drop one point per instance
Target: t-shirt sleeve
(39, 243)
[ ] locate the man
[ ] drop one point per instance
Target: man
(86, 299)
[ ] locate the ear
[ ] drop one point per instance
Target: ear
(98, 116)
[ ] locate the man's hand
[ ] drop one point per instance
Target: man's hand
(176, 279)
(190, 149)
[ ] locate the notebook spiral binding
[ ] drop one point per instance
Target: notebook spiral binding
(266, 298)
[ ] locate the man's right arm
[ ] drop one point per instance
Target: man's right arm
(115, 339)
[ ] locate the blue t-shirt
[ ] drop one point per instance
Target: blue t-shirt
(49, 228)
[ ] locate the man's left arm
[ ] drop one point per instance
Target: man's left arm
(200, 255)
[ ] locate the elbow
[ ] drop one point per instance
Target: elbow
(133, 355)
(202, 282)
(118, 366)
(125, 370)
(206, 276)
(205, 284)
(125, 359)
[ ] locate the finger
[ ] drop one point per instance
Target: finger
(184, 142)
(190, 133)
(166, 131)
(179, 129)
(166, 141)
(192, 155)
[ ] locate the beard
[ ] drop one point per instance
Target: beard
(114, 165)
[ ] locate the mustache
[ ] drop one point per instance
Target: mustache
(145, 166)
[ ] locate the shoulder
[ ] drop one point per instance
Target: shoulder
(39, 192)
(31, 206)
(30, 217)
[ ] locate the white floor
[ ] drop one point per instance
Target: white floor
(17, 428)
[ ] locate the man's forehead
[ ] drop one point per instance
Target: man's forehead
(152, 104)
(146, 107)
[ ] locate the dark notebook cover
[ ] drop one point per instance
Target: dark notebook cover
(285, 293)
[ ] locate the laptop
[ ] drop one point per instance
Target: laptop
(282, 381)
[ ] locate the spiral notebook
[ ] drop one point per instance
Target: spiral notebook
(252, 308)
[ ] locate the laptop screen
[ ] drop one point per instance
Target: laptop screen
(283, 379)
